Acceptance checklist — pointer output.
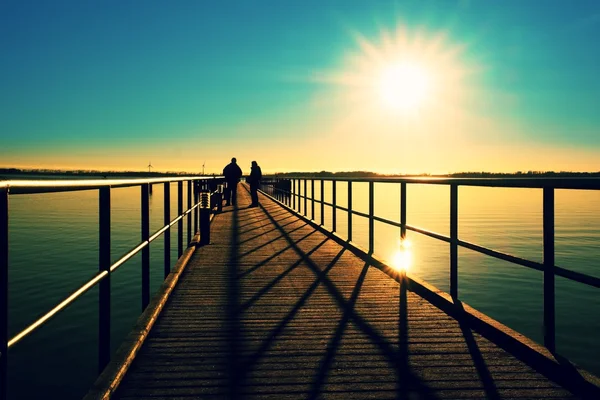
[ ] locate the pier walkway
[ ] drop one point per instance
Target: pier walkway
(275, 309)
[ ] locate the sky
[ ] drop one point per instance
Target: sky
(386, 86)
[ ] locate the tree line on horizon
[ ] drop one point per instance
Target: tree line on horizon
(343, 174)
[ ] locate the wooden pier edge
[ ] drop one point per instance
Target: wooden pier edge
(569, 375)
(108, 381)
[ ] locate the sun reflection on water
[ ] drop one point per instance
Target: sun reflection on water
(402, 258)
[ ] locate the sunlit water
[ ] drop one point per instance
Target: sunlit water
(54, 249)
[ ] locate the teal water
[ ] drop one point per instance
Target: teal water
(53, 250)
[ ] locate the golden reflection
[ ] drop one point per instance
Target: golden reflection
(402, 258)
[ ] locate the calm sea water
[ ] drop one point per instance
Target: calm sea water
(53, 250)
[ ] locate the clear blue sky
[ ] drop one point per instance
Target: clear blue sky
(115, 84)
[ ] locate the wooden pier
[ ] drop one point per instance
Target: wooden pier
(274, 308)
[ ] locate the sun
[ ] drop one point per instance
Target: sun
(404, 86)
(401, 77)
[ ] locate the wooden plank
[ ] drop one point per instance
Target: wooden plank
(273, 309)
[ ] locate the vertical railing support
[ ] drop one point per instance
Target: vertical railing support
(167, 221)
(403, 210)
(294, 194)
(104, 286)
(180, 222)
(3, 293)
(196, 211)
(305, 197)
(322, 202)
(312, 199)
(549, 295)
(145, 250)
(371, 214)
(190, 189)
(334, 208)
(349, 211)
(454, 241)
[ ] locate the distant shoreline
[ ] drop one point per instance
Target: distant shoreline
(7, 173)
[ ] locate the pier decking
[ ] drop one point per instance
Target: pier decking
(275, 309)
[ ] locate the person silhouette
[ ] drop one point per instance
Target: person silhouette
(254, 180)
(232, 173)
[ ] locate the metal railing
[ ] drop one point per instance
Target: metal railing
(288, 191)
(206, 193)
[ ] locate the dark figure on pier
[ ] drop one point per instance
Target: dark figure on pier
(232, 173)
(254, 181)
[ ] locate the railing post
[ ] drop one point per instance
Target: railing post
(454, 241)
(104, 286)
(371, 214)
(349, 211)
(334, 208)
(190, 189)
(305, 197)
(145, 250)
(322, 202)
(294, 194)
(549, 300)
(167, 221)
(403, 210)
(196, 211)
(312, 199)
(3, 293)
(180, 222)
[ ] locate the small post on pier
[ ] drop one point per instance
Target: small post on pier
(180, 222)
(219, 197)
(204, 218)
(146, 249)
(3, 293)
(167, 221)
(549, 301)
(104, 286)
(454, 241)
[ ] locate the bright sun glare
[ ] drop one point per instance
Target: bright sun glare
(404, 86)
(409, 75)
(402, 258)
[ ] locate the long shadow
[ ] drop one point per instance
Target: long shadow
(288, 318)
(403, 371)
(334, 343)
(277, 279)
(489, 386)
(385, 346)
(259, 227)
(235, 375)
(271, 257)
(266, 243)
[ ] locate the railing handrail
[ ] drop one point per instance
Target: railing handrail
(49, 186)
(97, 278)
(516, 182)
